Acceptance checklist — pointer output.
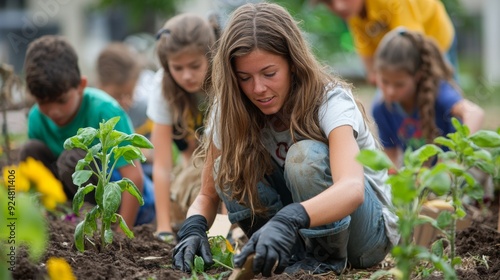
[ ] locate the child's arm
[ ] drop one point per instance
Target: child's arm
(161, 137)
(130, 206)
(394, 155)
(370, 72)
(470, 113)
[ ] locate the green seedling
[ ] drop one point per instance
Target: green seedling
(410, 185)
(222, 255)
(465, 152)
(449, 178)
(111, 145)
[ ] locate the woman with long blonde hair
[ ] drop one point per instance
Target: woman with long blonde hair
(280, 151)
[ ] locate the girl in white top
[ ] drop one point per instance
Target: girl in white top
(184, 46)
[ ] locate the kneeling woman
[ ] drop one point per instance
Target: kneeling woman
(280, 151)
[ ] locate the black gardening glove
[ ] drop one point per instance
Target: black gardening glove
(193, 241)
(275, 240)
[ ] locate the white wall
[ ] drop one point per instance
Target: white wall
(491, 41)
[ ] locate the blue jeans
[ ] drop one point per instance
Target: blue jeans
(307, 174)
(147, 212)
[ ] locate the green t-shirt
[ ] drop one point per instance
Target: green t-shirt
(96, 106)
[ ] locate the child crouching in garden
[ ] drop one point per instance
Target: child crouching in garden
(420, 97)
(64, 104)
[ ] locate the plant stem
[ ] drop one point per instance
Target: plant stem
(455, 197)
(222, 264)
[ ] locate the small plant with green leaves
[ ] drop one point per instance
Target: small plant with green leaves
(410, 186)
(222, 255)
(465, 152)
(110, 147)
(449, 177)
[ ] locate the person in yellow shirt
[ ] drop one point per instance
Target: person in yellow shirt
(370, 20)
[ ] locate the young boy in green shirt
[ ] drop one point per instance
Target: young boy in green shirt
(63, 105)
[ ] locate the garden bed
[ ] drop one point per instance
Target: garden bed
(144, 257)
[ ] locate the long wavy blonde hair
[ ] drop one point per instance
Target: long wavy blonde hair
(244, 160)
(414, 53)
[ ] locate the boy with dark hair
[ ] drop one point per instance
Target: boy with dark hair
(63, 105)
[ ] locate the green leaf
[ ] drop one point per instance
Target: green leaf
(423, 219)
(463, 130)
(460, 213)
(124, 227)
(403, 188)
(486, 139)
(199, 264)
(94, 150)
(86, 135)
(487, 167)
(437, 180)
(438, 248)
(79, 197)
(74, 142)
(111, 200)
(374, 159)
(81, 176)
(127, 185)
(91, 221)
(78, 235)
(82, 163)
(424, 153)
(108, 236)
(444, 219)
(139, 141)
(443, 141)
(129, 153)
(456, 261)
(99, 193)
(116, 137)
(106, 127)
(469, 179)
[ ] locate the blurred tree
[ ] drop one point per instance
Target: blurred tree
(140, 10)
(327, 34)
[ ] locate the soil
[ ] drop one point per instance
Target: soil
(144, 257)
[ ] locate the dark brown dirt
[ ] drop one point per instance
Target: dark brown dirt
(144, 257)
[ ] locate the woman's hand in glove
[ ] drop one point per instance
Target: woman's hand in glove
(274, 241)
(193, 241)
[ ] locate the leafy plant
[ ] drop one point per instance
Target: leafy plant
(25, 225)
(410, 186)
(107, 194)
(222, 254)
(465, 152)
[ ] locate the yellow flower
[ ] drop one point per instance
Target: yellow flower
(59, 269)
(35, 170)
(229, 247)
(44, 181)
(13, 177)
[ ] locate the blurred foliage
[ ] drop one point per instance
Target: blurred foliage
(326, 33)
(461, 19)
(139, 10)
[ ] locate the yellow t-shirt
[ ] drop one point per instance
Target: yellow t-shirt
(426, 16)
